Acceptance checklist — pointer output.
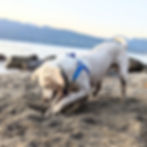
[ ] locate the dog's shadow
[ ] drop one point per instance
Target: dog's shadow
(94, 106)
(110, 104)
(107, 112)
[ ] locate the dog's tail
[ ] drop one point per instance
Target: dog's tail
(122, 41)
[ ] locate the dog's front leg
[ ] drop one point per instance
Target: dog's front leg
(71, 99)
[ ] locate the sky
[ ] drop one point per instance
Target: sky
(104, 18)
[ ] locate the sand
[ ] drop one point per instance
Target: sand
(104, 121)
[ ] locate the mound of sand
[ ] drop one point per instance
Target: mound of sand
(105, 121)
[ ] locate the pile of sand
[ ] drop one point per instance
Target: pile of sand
(105, 121)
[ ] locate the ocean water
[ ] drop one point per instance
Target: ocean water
(10, 48)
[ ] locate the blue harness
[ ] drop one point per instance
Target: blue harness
(80, 67)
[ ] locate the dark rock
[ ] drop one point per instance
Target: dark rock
(23, 62)
(2, 57)
(77, 135)
(54, 123)
(36, 118)
(51, 57)
(89, 120)
(140, 118)
(38, 107)
(33, 57)
(27, 62)
(33, 144)
(136, 66)
(15, 128)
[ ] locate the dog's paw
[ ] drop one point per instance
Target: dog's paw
(57, 108)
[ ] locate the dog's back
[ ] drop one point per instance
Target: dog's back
(104, 55)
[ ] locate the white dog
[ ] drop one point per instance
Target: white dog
(70, 78)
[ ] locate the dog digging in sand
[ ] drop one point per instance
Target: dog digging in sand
(69, 79)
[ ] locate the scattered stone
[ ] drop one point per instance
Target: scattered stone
(89, 120)
(77, 136)
(23, 62)
(2, 57)
(136, 66)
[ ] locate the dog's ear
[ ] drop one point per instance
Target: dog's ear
(59, 79)
(54, 74)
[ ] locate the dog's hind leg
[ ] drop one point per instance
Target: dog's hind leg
(96, 89)
(123, 82)
(123, 73)
(123, 87)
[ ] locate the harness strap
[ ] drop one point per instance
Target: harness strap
(80, 67)
(66, 82)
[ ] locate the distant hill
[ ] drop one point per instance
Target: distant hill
(27, 32)
(138, 45)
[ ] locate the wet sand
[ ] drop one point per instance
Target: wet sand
(104, 121)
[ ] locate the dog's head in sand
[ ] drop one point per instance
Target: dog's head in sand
(50, 80)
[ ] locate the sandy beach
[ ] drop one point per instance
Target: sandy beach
(70, 46)
(105, 121)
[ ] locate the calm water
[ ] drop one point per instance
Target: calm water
(10, 48)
